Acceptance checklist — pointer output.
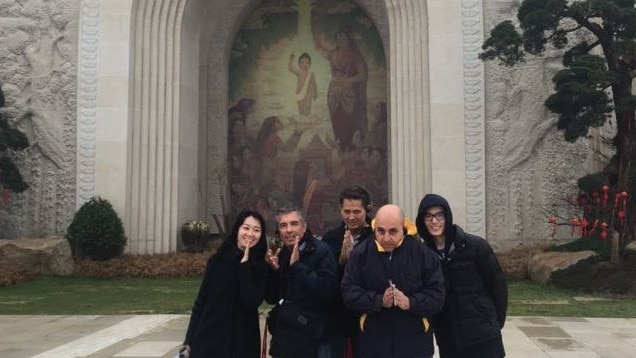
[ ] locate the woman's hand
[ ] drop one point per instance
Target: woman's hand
(246, 254)
(272, 258)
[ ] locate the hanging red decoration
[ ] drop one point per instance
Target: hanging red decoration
(621, 216)
(6, 197)
(574, 223)
(584, 224)
(553, 221)
(603, 235)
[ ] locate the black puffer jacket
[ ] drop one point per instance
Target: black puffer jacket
(476, 291)
(414, 269)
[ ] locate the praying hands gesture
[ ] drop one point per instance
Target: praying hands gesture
(347, 246)
(295, 254)
(394, 297)
(246, 254)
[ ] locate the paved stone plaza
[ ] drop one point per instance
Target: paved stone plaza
(159, 335)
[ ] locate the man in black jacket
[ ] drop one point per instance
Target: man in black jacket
(303, 281)
(355, 209)
(395, 282)
(476, 293)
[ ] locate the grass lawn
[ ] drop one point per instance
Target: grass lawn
(74, 295)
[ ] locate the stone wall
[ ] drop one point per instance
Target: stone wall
(530, 166)
(38, 53)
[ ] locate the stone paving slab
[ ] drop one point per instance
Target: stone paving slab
(158, 336)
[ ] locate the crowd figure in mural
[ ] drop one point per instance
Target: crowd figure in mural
(258, 160)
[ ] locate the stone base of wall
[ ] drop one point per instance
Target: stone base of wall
(47, 256)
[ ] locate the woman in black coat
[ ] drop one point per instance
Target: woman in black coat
(469, 325)
(225, 321)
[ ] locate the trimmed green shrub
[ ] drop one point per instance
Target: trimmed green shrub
(96, 232)
(195, 235)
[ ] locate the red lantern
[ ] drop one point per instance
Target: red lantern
(584, 224)
(605, 188)
(553, 221)
(603, 235)
(574, 222)
(621, 216)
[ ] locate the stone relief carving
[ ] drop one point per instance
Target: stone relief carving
(39, 74)
(530, 166)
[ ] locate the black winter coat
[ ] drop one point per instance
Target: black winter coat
(341, 319)
(476, 291)
(310, 283)
(225, 320)
(414, 269)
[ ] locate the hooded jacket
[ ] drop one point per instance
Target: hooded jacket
(414, 270)
(476, 291)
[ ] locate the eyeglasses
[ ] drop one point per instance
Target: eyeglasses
(439, 216)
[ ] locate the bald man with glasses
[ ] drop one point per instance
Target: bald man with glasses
(394, 281)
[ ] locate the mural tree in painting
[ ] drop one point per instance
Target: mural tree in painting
(11, 141)
(595, 86)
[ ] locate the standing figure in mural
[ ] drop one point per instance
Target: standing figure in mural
(268, 141)
(306, 88)
(347, 96)
(379, 126)
(476, 301)
(224, 320)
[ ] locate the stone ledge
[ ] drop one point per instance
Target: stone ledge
(48, 256)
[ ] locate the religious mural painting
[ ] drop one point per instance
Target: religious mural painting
(307, 115)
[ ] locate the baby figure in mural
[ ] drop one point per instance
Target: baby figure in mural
(306, 89)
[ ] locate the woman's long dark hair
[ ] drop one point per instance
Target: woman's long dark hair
(258, 251)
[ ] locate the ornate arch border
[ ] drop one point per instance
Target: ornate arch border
(151, 211)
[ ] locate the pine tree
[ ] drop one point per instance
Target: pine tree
(11, 141)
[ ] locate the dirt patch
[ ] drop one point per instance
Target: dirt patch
(596, 275)
(599, 276)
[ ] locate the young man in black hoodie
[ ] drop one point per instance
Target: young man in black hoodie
(476, 292)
